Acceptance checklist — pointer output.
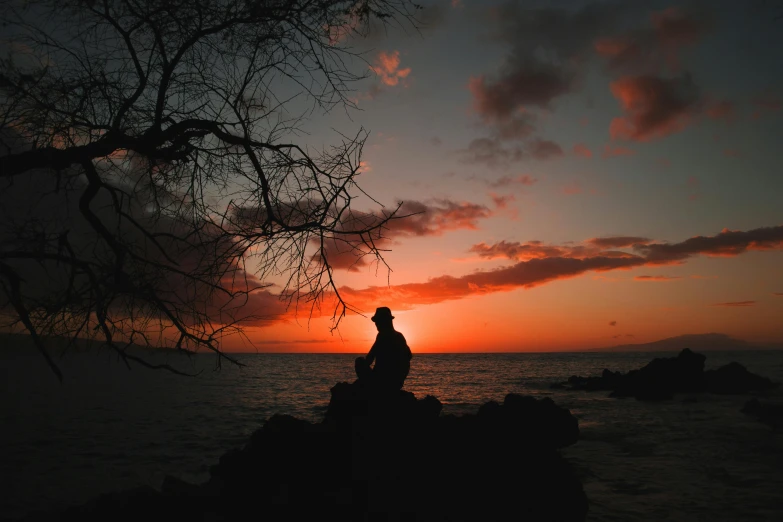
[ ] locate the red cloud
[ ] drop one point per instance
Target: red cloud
(387, 67)
(580, 149)
(539, 264)
(736, 304)
(655, 278)
(501, 201)
(654, 107)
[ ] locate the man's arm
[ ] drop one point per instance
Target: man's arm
(371, 354)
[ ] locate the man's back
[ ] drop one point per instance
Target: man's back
(392, 355)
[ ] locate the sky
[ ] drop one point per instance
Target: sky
(590, 174)
(575, 174)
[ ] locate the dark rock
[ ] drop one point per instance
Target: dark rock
(767, 413)
(733, 378)
(662, 377)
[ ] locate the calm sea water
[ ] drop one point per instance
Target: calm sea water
(107, 428)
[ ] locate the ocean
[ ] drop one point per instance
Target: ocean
(107, 428)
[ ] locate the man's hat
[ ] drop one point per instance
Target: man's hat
(382, 313)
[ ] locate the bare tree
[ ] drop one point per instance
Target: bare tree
(153, 183)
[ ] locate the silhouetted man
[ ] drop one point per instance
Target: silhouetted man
(391, 355)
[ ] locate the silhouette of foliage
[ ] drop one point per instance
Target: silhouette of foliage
(156, 188)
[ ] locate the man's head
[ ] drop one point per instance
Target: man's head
(382, 318)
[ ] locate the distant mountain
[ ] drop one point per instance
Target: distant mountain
(696, 342)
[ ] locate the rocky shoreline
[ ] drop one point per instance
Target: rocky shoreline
(378, 457)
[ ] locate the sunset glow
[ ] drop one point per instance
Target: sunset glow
(620, 187)
(571, 175)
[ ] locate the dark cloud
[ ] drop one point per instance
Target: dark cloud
(518, 251)
(544, 149)
(493, 154)
(350, 251)
(617, 241)
(517, 128)
(490, 152)
(655, 104)
(612, 323)
(726, 243)
(546, 50)
(654, 107)
(733, 304)
(528, 84)
(437, 216)
(658, 45)
(507, 181)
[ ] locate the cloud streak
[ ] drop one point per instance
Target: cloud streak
(346, 251)
(537, 264)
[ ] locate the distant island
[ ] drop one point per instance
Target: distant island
(697, 342)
